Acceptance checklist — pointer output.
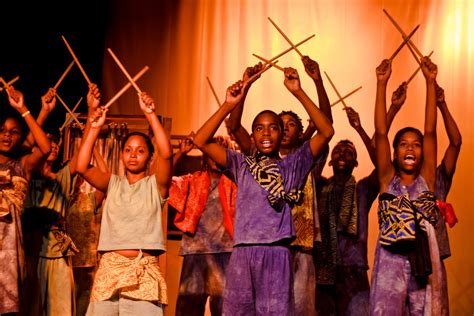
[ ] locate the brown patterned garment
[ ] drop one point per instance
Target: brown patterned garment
(13, 188)
(134, 278)
(83, 227)
(303, 217)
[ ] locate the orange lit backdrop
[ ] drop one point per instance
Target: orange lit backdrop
(185, 41)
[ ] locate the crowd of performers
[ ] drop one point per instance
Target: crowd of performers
(264, 233)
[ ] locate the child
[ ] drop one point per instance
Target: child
(304, 214)
(444, 176)
(15, 172)
(49, 198)
(128, 279)
(259, 277)
(205, 204)
(407, 250)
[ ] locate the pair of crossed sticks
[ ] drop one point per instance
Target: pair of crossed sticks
(132, 81)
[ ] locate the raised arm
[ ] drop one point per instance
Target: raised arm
(241, 135)
(428, 170)
(324, 127)
(29, 161)
(97, 177)
(382, 146)
(93, 102)
(454, 135)
(48, 103)
(312, 69)
(398, 99)
(216, 152)
(164, 154)
(184, 147)
(354, 120)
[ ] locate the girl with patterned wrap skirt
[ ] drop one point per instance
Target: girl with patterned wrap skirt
(406, 274)
(15, 172)
(129, 280)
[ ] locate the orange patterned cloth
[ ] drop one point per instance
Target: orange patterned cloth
(188, 195)
(137, 278)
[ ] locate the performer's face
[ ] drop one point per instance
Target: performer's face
(53, 155)
(10, 135)
(291, 133)
(343, 158)
(136, 154)
(408, 153)
(267, 133)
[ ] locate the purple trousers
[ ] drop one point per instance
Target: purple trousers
(259, 282)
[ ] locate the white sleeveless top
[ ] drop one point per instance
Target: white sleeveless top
(132, 216)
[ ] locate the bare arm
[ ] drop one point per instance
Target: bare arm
(93, 101)
(312, 69)
(184, 147)
(30, 161)
(428, 170)
(97, 177)
(354, 120)
(384, 164)
(48, 103)
(214, 151)
(324, 127)
(241, 135)
(455, 140)
(164, 154)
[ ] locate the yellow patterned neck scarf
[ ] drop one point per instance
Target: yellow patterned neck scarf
(267, 173)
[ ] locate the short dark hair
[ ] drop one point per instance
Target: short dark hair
(9, 113)
(404, 130)
(280, 121)
(298, 120)
(399, 135)
(348, 143)
(147, 139)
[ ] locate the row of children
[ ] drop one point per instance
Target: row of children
(272, 236)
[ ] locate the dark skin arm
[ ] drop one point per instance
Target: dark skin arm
(312, 69)
(241, 135)
(354, 120)
(455, 139)
(216, 152)
(324, 127)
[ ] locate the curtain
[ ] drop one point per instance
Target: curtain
(185, 41)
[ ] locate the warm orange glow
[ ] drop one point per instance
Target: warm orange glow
(215, 38)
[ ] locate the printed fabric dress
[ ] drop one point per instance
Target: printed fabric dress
(13, 189)
(407, 274)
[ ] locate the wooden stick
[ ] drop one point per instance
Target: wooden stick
(279, 55)
(64, 74)
(289, 49)
(213, 91)
(125, 88)
(5, 84)
(418, 69)
(346, 96)
(9, 83)
(261, 71)
(67, 109)
(286, 37)
(124, 71)
(414, 55)
(337, 92)
(73, 111)
(405, 40)
(76, 60)
(403, 33)
(269, 62)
